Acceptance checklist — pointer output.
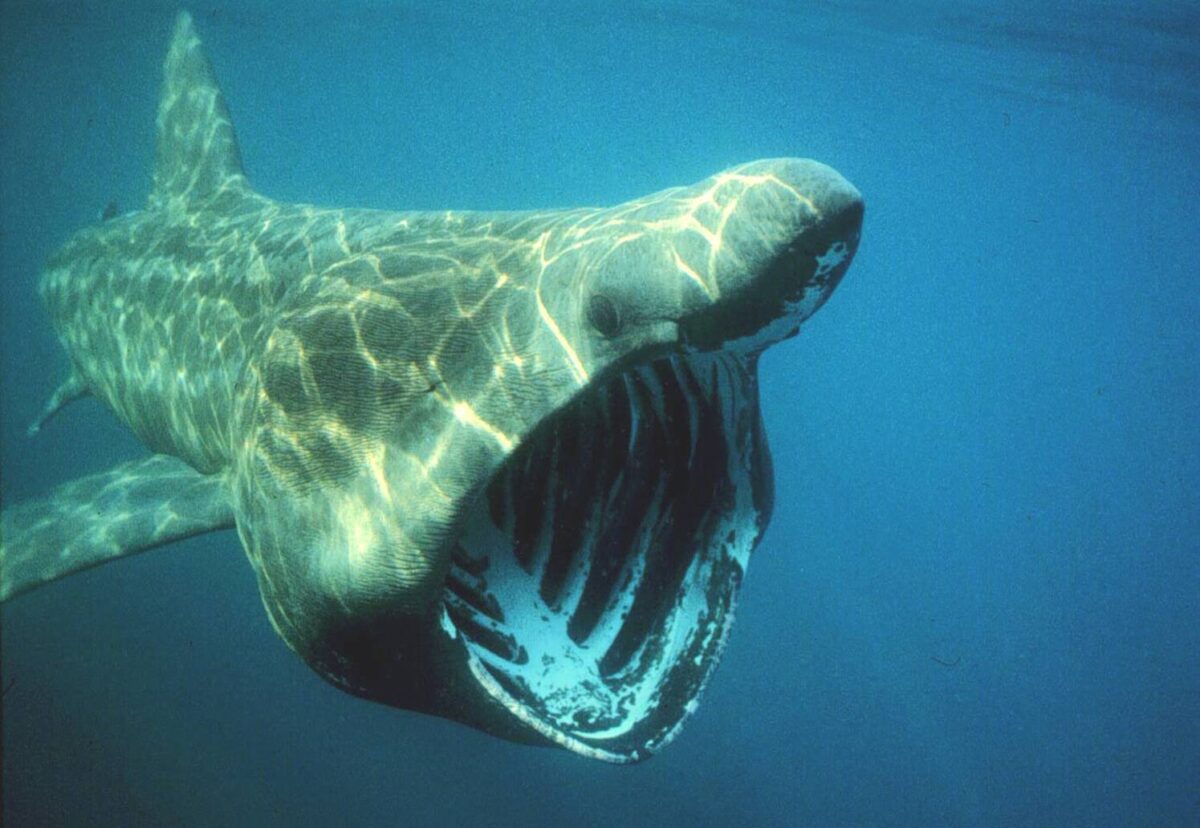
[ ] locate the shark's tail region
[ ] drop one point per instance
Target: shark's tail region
(197, 155)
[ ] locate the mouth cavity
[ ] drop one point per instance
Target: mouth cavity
(595, 583)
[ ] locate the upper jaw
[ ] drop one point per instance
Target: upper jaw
(767, 306)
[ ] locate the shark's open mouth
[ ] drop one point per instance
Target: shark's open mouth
(594, 586)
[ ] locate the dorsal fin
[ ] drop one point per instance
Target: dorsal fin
(197, 154)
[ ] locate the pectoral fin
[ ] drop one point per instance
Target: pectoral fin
(71, 390)
(131, 508)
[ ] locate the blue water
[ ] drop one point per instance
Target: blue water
(979, 600)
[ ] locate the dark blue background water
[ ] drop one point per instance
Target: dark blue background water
(987, 443)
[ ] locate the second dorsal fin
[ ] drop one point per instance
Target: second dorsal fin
(197, 154)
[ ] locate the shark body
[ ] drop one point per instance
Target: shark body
(506, 468)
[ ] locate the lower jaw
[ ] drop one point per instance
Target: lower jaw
(594, 585)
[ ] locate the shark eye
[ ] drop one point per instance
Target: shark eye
(603, 316)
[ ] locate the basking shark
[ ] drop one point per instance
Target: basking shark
(506, 468)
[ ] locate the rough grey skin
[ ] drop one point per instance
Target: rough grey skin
(507, 468)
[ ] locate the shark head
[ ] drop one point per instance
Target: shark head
(512, 471)
(734, 262)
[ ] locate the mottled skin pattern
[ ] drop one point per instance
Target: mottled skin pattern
(354, 378)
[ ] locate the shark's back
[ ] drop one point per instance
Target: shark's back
(162, 311)
(157, 308)
(158, 317)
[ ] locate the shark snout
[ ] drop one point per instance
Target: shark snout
(791, 239)
(822, 252)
